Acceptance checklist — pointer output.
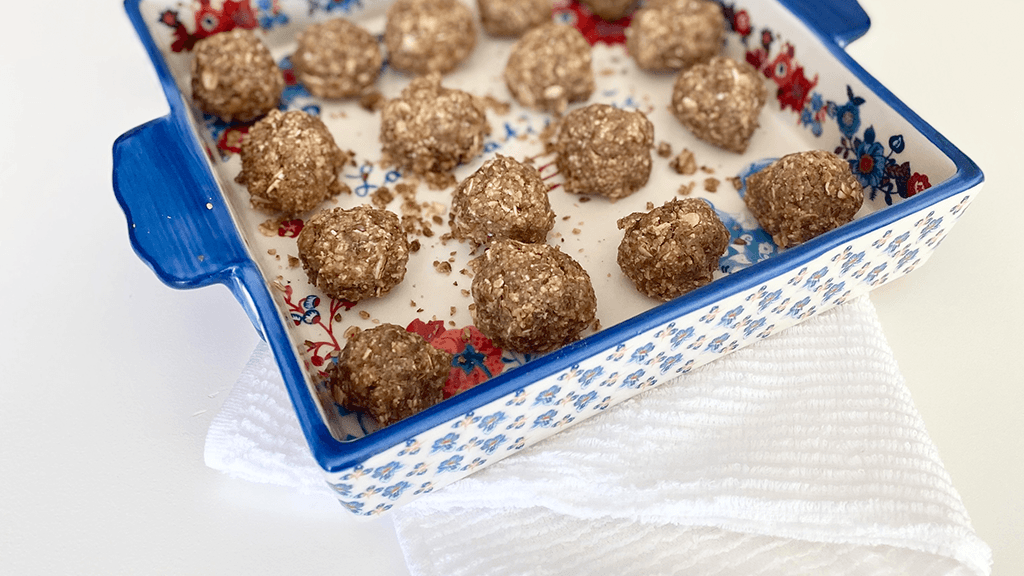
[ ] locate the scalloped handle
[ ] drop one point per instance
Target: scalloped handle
(841, 20)
(177, 220)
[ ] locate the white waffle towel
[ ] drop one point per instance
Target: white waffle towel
(801, 454)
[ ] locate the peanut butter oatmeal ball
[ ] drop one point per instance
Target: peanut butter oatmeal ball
(503, 199)
(604, 150)
(336, 59)
(234, 77)
(290, 163)
(424, 36)
(531, 297)
(803, 195)
(430, 130)
(672, 249)
(719, 101)
(549, 67)
(513, 17)
(675, 34)
(610, 10)
(389, 374)
(354, 254)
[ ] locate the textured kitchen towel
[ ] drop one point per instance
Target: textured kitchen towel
(801, 454)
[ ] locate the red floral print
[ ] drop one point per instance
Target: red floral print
(476, 358)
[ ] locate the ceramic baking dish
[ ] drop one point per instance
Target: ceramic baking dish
(190, 221)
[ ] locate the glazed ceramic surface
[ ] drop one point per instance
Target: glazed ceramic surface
(194, 225)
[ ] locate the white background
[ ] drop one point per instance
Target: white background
(110, 379)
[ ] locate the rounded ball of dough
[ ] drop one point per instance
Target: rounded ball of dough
(389, 373)
(803, 195)
(719, 101)
(424, 36)
(512, 18)
(503, 199)
(531, 297)
(549, 67)
(290, 163)
(336, 59)
(675, 34)
(672, 249)
(430, 129)
(354, 254)
(604, 150)
(234, 77)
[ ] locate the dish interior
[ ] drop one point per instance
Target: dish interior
(814, 103)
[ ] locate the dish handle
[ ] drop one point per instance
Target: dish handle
(177, 221)
(842, 21)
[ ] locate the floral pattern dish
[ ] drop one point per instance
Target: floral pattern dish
(500, 401)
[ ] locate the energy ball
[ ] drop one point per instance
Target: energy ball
(512, 18)
(675, 34)
(719, 101)
(354, 254)
(503, 199)
(549, 67)
(430, 130)
(610, 10)
(424, 36)
(336, 59)
(234, 77)
(672, 249)
(531, 297)
(290, 163)
(389, 374)
(803, 195)
(604, 150)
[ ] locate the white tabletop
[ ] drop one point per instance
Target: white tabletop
(110, 379)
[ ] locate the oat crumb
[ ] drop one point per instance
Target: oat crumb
(684, 163)
(664, 149)
(364, 314)
(269, 228)
(711, 184)
(372, 101)
(686, 189)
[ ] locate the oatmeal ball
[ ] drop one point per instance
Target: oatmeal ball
(673, 249)
(610, 10)
(719, 101)
(336, 59)
(531, 297)
(549, 67)
(675, 34)
(803, 195)
(513, 17)
(430, 130)
(354, 254)
(424, 36)
(389, 374)
(234, 77)
(503, 199)
(290, 163)
(604, 150)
